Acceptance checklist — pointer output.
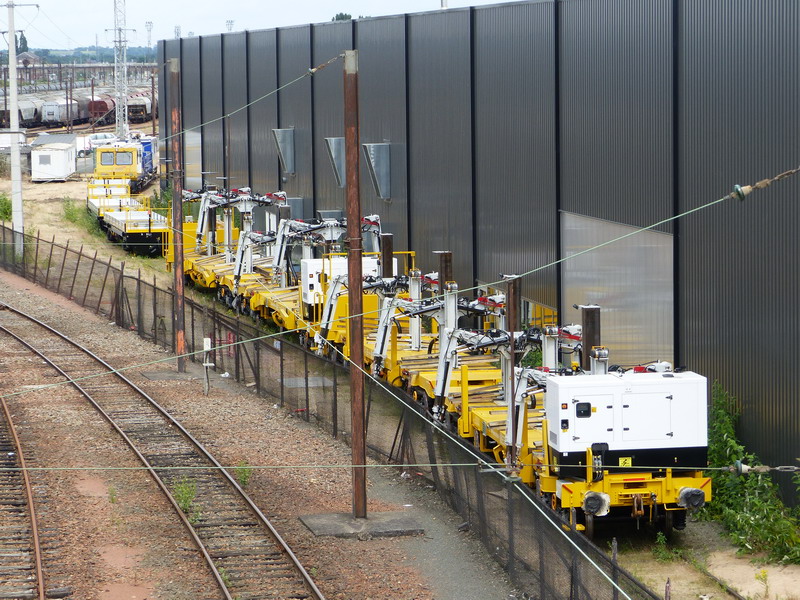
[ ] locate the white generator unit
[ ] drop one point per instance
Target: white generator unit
(631, 420)
(312, 268)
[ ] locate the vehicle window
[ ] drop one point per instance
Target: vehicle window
(107, 158)
(124, 158)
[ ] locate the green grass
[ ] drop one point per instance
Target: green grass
(78, 215)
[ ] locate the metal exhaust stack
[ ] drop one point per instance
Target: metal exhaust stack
(387, 255)
(590, 336)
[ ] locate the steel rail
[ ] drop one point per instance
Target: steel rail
(37, 551)
(285, 549)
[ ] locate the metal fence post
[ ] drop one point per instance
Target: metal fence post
(36, 257)
(236, 353)
(103, 289)
(511, 561)
(139, 323)
(305, 369)
(61, 273)
(75, 274)
(282, 382)
(614, 568)
(89, 279)
(257, 371)
(155, 313)
(335, 407)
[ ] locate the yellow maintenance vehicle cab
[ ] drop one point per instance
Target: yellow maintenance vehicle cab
(121, 172)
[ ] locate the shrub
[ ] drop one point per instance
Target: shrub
(5, 207)
(749, 506)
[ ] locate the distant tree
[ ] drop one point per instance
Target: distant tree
(23, 42)
(342, 17)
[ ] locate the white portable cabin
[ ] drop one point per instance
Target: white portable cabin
(53, 162)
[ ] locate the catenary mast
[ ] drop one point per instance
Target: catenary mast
(120, 69)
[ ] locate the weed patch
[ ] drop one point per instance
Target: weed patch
(243, 472)
(662, 552)
(185, 492)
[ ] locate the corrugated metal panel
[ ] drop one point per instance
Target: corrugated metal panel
(636, 302)
(211, 96)
(234, 92)
(515, 156)
(382, 116)
(329, 40)
(191, 86)
(440, 139)
(262, 79)
(616, 109)
(738, 279)
(167, 49)
(295, 106)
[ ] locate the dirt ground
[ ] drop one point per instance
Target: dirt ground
(703, 543)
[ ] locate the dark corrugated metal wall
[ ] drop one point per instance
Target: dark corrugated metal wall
(166, 50)
(262, 79)
(382, 117)
(440, 133)
(515, 155)
(192, 117)
(329, 41)
(234, 93)
(660, 109)
(738, 277)
(211, 103)
(616, 109)
(294, 106)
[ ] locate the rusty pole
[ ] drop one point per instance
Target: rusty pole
(153, 103)
(177, 212)
(387, 255)
(512, 318)
(354, 284)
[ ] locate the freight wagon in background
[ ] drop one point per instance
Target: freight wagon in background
(51, 109)
(60, 112)
(141, 108)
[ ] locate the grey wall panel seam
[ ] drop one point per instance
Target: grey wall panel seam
(557, 149)
(474, 199)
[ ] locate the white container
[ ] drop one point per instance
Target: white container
(53, 162)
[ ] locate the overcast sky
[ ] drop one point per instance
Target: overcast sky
(65, 24)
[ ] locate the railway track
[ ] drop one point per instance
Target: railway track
(247, 556)
(21, 572)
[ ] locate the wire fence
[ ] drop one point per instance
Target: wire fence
(543, 556)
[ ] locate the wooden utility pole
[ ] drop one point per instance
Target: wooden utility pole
(177, 211)
(354, 284)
